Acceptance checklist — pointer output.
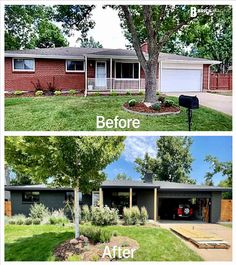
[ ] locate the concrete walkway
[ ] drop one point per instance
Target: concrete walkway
(217, 102)
(218, 230)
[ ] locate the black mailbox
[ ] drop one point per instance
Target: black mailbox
(189, 102)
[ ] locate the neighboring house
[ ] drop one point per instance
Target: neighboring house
(99, 69)
(156, 196)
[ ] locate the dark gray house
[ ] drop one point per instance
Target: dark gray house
(160, 198)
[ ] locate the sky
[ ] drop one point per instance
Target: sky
(107, 29)
(219, 146)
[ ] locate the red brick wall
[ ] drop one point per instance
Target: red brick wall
(205, 81)
(45, 70)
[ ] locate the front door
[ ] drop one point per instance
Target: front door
(101, 75)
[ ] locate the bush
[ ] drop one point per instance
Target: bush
(28, 221)
(132, 102)
(115, 233)
(96, 234)
(36, 221)
(169, 103)
(12, 221)
(114, 94)
(72, 91)
(128, 93)
(158, 93)
(104, 216)
(135, 215)
(58, 217)
(57, 93)
(38, 93)
(85, 214)
(140, 93)
(18, 219)
(162, 99)
(143, 216)
(127, 216)
(18, 92)
(38, 211)
(156, 106)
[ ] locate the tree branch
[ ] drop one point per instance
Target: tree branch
(132, 30)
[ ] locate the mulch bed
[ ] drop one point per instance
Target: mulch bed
(141, 107)
(91, 251)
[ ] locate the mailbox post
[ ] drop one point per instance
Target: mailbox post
(190, 103)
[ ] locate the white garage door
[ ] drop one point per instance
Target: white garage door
(181, 80)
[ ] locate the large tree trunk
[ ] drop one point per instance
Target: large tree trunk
(76, 209)
(150, 82)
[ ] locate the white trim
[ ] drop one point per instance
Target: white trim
(127, 62)
(127, 79)
(111, 72)
(99, 61)
(39, 56)
(86, 77)
(139, 77)
(190, 61)
(23, 70)
(75, 71)
(94, 192)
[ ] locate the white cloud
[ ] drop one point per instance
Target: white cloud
(137, 146)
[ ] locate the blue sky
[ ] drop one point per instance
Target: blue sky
(136, 146)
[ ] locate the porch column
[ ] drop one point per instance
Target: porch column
(155, 204)
(139, 74)
(111, 74)
(86, 77)
(159, 76)
(130, 198)
(100, 197)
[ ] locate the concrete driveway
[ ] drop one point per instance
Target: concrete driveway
(218, 230)
(217, 102)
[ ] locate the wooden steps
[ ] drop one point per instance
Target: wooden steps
(200, 238)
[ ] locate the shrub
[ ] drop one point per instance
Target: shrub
(132, 102)
(128, 93)
(158, 93)
(135, 215)
(169, 103)
(18, 219)
(115, 233)
(140, 93)
(72, 91)
(58, 217)
(38, 211)
(38, 93)
(12, 221)
(104, 216)
(96, 234)
(114, 94)
(57, 93)
(18, 92)
(51, 86)
(74, 258)
(127, 216)
(156, 106)
(97, 94)
(162, 99)
(143, 216)
(85, 214)
(36, 221)
(28, 221)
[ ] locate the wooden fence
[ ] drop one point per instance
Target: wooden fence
(7, 210)
(220, 81)
(226, 211)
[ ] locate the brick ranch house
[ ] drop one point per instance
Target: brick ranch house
(157, 196)
(99, 69)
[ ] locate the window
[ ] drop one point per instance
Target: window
(74, 66)
(23, 64)
(69, 196)
(95, 198)
(127, 70)
(30, 196)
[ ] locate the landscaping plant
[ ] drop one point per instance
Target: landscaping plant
(38, 211)
(143, 216)
(104, 216)
(132, 102)
(39, 93)
(85, 213)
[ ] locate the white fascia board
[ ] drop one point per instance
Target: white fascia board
(91, 56)
(190, 61)
(39, 56)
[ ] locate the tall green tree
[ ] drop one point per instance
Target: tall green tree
(30, 26)
(122, 176)
(75, 162)
(157, 26)
(89, 43)
(173, 161)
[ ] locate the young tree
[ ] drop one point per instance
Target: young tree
(155, 25)
(89, 43)
(173, 161)
(75, 162)
(122, 176)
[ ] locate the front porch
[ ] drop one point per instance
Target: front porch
(107, 75)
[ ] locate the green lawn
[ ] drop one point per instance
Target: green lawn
(79, 114)
(229, 225)
(36, 243)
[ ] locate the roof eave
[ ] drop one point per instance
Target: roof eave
(190, 61)
(39, 56)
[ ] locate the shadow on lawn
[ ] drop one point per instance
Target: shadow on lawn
(35, 248)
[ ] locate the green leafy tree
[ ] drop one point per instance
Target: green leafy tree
(30, 26)
(157, 25)
(173, 161)
(122, 176)
(90, 43)
(75, 162)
